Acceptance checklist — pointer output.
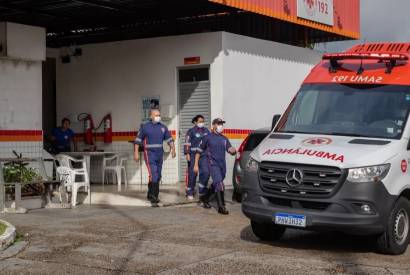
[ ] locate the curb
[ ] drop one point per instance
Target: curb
(8, 237)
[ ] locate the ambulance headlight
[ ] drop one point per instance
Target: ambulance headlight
(368, 174)
(252, 165)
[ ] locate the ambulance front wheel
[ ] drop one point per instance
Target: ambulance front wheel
(395, 239)
(267, 232)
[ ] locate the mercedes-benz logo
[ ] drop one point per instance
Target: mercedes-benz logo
(294, 177)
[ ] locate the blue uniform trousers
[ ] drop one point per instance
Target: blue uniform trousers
(218, 173)
(153, 160)
(203, 175)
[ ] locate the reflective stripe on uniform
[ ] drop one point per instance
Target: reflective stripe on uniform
(194, 149)
(200, 150)
(153, 146)
(138, 140)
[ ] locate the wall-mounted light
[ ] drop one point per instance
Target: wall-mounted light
(65, 59)
(78, 52)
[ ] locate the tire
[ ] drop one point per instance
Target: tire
(236, 196)
(395, 239)
(267, 232)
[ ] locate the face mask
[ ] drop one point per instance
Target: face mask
(219, 128)
(201, 125)
(157, 119)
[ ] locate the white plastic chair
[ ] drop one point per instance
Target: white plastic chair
(68, 174)
(116, 166)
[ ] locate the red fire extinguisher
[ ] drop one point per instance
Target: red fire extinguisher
(107, 129)
(88, 127)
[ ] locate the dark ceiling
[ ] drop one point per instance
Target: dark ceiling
(74, 22)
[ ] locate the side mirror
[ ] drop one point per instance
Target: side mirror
(275, 120)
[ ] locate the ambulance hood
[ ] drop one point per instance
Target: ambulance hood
(339, 151)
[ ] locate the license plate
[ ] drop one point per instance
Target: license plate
(290, 219)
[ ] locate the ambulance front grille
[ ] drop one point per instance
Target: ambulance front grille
(316, 181)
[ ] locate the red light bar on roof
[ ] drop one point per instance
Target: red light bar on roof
(374, 56)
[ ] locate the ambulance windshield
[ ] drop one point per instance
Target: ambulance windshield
(375, 111)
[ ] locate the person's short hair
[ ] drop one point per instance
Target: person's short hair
(154, 110)
(64, 120)
(195, 119)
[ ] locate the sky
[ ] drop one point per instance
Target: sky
(381, 20)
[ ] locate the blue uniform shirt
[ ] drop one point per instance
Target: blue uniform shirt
(152, 135)
(193, 139)
(216, 145)
(63, 139)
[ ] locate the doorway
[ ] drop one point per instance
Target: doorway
(49, 100)
(194, 99)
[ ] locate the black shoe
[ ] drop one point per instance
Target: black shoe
(156, 200)
(204, 201)
(223, 211)
(151, 199)
(221, 204)
(154, 204)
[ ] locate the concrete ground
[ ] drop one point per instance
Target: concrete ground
(133, 195)
(180, 240)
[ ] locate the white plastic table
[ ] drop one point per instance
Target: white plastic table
(87, 155)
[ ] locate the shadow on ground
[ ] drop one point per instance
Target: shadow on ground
(345, 249)
(309, 240)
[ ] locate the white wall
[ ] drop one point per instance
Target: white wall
(23, 41)
(112, 77)
(20, 95)
(21, 90)
(260, 79)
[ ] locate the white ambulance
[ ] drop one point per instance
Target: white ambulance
(338, 158)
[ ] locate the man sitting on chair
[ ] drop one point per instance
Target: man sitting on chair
(62, 137)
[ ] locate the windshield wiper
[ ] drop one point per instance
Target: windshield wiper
(346, 134)
(329, 134)
(326, 134)
(298, 132)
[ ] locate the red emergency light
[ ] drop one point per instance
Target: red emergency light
(366, 56)
(389, 58)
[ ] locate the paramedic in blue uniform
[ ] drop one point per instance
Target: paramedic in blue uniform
(193, 138)
(215, 145)
(63, 137)
(151, 136)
